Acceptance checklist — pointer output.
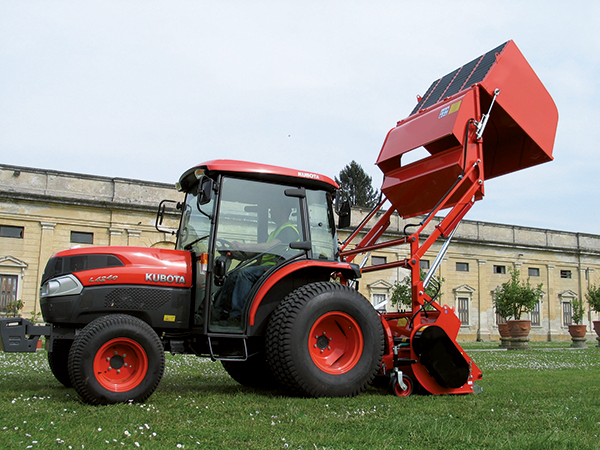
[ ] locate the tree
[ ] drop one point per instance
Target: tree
(513, 298)
(356, 186)
(593, 297)
(402, 294)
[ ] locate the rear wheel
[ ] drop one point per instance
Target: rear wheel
(58, 360)
(115, 359)
(254, 372)
(325, 340)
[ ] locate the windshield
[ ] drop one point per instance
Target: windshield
(195, 225)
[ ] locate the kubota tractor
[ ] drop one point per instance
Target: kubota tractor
(258, 279)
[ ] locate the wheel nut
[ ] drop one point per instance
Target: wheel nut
(119, 371)
(109, 368)
(107, 358)
(124, 355)
(116, 352)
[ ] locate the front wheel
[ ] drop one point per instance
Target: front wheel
(401, 391)
(325, 340)
(115, 359)
(58, 360)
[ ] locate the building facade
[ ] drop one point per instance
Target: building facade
(44, 211)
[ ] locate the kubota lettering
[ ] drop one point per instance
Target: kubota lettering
(163, 278)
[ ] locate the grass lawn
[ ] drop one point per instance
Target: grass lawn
(538, 399)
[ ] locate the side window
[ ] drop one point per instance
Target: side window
(80, 237)
(8, 290)
(462, 267)
(11, 232)
(463, 310)
(535, 316)
(322, 231)
(567, 314)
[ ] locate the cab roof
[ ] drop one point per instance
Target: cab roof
(261, 172)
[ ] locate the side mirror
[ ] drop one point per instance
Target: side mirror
(344, 215)
(160, 215)
(205, 190)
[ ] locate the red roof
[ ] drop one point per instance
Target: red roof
(267, 172)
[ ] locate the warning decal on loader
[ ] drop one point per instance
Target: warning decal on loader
(449, 109)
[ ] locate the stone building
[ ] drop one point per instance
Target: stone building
(44, 211)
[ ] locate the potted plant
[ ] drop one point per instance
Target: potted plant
(503, 312)
(576, 329)
(13, 308)
(593, 298)
(513, 299)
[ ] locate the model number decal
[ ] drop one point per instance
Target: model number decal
(162, 278)
(104, 278)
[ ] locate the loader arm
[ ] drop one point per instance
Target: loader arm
(485, 119)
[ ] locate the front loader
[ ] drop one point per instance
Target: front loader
(258, 279)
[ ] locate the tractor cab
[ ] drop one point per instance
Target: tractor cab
(244, 222)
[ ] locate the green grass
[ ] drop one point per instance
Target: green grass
(539, 399)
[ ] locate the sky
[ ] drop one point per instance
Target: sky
(147, 89)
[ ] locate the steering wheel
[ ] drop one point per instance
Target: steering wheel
(225, 248)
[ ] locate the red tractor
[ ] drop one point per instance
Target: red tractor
(258, 279)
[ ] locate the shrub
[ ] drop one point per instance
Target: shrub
(577, 311)
(13, 307)
(402, 294)
(514, 298)
(593, 298)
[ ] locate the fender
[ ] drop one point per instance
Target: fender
(345, 268)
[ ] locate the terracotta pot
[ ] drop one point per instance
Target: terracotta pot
(519, 328)
(597, 327)
(597, 330)
(503, 330)
(577, 331)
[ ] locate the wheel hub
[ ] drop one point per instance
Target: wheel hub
(335, 343)
(117, 361)
(120, 364)
(322, 342)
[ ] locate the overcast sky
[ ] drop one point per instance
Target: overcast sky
(147, 89)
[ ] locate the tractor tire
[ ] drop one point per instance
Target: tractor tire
(325, 340)
(58, 360)
(254, 372)
(116, 359)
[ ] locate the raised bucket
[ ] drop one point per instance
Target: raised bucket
(520, 130)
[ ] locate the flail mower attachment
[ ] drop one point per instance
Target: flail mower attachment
(485, 119)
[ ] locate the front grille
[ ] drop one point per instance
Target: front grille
(137, 298)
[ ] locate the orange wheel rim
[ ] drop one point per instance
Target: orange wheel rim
(403, 393)
(120, 365)
(335, 343)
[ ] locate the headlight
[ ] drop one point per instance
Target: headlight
(65, 285)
